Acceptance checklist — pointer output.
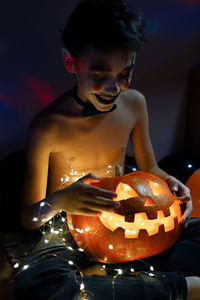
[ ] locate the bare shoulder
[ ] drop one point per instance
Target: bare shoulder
(42, 129)
(45, 127)
(134, 98)
(135, 101)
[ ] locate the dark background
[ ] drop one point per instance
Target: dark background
(32, 72)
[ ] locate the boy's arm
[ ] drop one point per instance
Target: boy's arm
(145, 157)
(39, 147)
(141, 142)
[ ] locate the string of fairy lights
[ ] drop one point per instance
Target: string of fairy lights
(60, 229)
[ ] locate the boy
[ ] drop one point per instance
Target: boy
(83, 136)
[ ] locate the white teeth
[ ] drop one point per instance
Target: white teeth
(106, 98)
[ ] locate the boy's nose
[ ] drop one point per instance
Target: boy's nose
(113, 89)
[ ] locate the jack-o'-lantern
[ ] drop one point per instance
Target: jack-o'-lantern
(147, 222)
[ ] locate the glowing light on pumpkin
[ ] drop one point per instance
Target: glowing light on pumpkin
(141, 221)
(147, 222)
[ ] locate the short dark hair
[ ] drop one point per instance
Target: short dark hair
(104, 24)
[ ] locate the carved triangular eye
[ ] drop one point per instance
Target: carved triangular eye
(124, 191)
(149, 201)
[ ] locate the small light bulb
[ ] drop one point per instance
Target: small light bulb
(82, 286)
(70, 262)
(35, 219)
(16, 265)
(25, 267)
(119, 271)
(42, 204)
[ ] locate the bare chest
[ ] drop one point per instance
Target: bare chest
(90, 145)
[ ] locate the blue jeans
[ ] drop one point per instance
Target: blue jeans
(50, 276)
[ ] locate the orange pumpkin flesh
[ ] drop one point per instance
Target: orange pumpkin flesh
(146, 223)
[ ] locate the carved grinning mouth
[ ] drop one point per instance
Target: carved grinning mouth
(142, 223)
(139, 214)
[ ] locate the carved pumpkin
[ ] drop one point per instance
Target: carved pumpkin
(194, 185)
(146, 223)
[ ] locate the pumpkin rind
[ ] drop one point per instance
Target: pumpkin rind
(136, 232)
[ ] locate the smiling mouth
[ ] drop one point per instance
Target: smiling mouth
(106, 99)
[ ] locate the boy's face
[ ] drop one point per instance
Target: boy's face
(103, 76)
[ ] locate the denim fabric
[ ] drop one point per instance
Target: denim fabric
(49, 275)
(53, 278)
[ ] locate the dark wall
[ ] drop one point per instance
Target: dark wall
(32, 72)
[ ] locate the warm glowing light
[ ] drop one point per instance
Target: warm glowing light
(141, 222)
(82, 286)
(147, 211)
(157, 189)
(124, 191)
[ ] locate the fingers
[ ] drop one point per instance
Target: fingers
(102, 200)
(89, 212)
(177, 186)
(188, 212)
(184, 198)
(89, 178)
(100, 192)
(99, 203)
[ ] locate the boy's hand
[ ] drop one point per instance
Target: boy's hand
(81, 198)
(178, 187)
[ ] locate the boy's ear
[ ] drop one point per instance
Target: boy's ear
(69, 61)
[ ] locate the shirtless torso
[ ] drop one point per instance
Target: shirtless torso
(64, 146)
(99, 145)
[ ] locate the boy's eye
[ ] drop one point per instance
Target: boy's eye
(99, 77)
(125, 75)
